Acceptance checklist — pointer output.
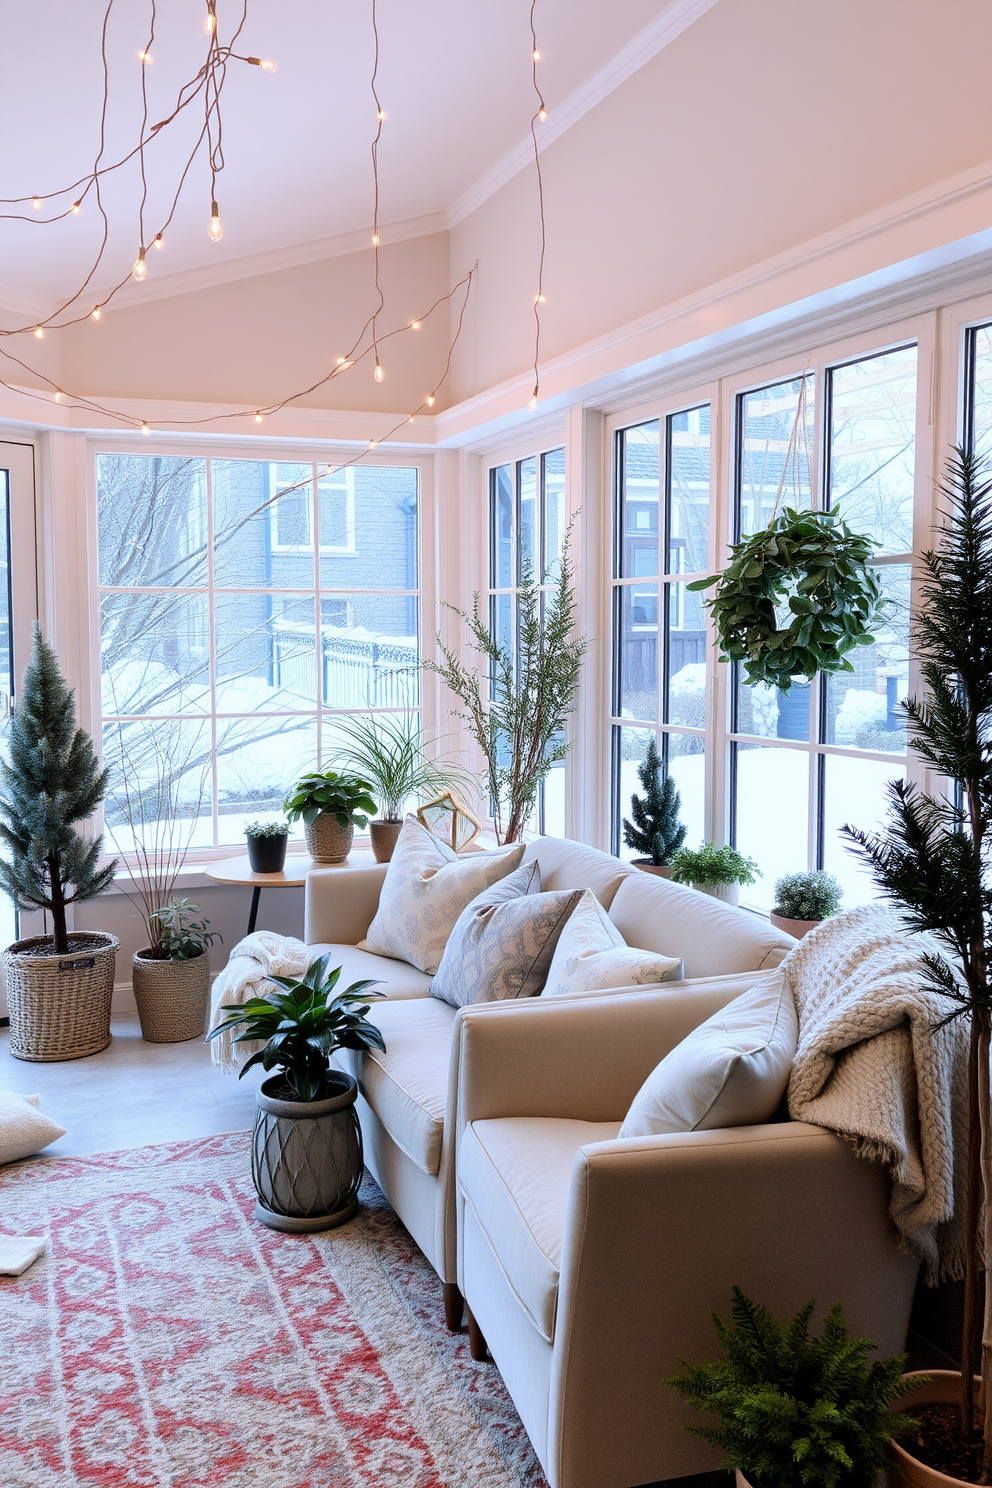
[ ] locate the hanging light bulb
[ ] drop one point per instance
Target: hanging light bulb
(58, 395)
(145, 57)
(430, 400)
(145, 429)
(39, 332)
(265, 63)
(381, 115)
(378, 374)
(542, 113)
(36, 203)
(373, 443)
(216, 229)
(158, 241)
(410, 419)
(375, 240)
(533, 399)
(415, 325)
(537, 55)
(76, 208)
(210, 23)
(539, 299)
(96, 312)
(258, 418)
(138, 268)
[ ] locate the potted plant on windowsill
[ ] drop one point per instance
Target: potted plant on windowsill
(59, 986)
(332, 805)
(307, 1155)
(718, 871)
(267, 846)
(171, 976)
(803, 900)
(655, 829)
(390, 753)
(796, 1411)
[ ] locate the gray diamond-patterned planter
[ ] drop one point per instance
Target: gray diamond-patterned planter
(306, 1158)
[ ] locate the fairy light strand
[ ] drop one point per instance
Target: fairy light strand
(380, 116)
(538, 117)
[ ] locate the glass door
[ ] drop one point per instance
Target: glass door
(18, 602)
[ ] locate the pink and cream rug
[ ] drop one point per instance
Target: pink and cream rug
(168, 1341)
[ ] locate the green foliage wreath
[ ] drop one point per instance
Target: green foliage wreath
(815, 565)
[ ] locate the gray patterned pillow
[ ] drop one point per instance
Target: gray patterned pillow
(502, 946)
(425, 889)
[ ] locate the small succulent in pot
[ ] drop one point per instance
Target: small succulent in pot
(267, 845)
(713, 870)
(802, 900)
(332, 804)
(306, 1149)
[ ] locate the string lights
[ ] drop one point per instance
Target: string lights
(539, 116)
(380, 120)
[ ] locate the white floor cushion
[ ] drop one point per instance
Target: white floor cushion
(23, 1128)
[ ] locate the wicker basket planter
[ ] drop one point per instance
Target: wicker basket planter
(60, 1005)
(327, 840)
(172, 997)
(307, 1158)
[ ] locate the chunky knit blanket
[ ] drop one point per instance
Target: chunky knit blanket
(252, 962)
(871, 1067)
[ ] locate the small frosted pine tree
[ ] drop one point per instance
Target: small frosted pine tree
(52, 781)
(655, 831)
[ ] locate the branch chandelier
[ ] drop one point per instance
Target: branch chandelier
(207, 86)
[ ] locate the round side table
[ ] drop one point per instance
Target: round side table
(239, 871)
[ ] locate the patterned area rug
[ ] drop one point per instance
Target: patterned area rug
(169, 1341)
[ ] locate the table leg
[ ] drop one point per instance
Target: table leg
(256, 894)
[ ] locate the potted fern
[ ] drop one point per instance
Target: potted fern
(796, 1411)
(718, 871)
(655, 829)
(802, 900)
(306, 1159)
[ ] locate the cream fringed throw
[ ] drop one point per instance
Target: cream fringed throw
(870, 1067)
(249, 967)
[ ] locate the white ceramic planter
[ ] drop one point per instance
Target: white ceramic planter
(728, 893)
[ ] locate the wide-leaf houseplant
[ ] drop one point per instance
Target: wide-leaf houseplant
(332, 804)
(307, 1146)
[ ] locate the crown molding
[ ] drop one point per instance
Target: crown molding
(676, 17)
(35, 307)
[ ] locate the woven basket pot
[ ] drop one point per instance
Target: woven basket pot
(59, 1005)
(307, 1158)
(172, 997)
(327, 840)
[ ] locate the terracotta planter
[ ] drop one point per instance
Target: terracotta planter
(327, 840)
(307, 1158)
(172, 997)
(908, 1472)
(267, 854)
(660, 870)
(384, 835)
(796, 928)
(60, 1005)
(729, 893)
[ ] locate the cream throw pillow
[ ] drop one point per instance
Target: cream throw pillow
(730, 1071)
(23, 1128)
(425, 889)
(592, 956)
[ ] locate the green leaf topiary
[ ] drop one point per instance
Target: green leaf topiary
(807, 896)
(813, 563)
(655, 830)
(796, 1411)
(710, 864)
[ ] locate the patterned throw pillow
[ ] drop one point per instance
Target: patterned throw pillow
(425, 889)
(502, 945)
(592, 956)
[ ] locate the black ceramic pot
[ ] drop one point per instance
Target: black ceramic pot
(267, 854)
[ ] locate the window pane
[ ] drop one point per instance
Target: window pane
(854, 792)
(266, 653)
(769, 712)
(501, 558)
(553, 802)
(258, 760)
(631, 746)
(863, 709)
(771, 459)
(638, 651)
(872, 446)
(158, 771)
(263, 524)
(686, 657)
(375, 544)
(689, 485)
(772, 794)
(687, 767)
(527, 476)
(639, 508)
(152, 520)
(554, 511)
(370, 651)
(982, 391)
(155, 653)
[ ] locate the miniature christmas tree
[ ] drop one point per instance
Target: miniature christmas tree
(52, 781)
(655, 830)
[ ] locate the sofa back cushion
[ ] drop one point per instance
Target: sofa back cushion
(572, 865)
(711, 937)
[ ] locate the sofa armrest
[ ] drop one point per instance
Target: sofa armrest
(658, 1229)
(340, 903)
(583, 1057)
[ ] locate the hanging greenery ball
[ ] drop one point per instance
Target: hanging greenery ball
(813, 565)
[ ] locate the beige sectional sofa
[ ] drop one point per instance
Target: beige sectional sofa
(407, 1094)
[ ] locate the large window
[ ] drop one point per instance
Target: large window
(659, 628)
(245, 608)
(527, 523)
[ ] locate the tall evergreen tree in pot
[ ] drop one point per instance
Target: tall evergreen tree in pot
(655, 830)
(53, 782)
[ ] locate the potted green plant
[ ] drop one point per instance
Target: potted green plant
(59, 986)
(332, 805)
(796, 1411)
(267, 845)
(718, 871)
(390, 752)
(655, 829)
(307, 1145)
(802, 900)
(171, 975)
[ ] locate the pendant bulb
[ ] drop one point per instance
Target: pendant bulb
(138, 269)
(216, 229)
(379, 373)
(96, 312)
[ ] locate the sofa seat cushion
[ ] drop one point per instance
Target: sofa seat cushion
(515, 1172)
(396, 979)
(712, 938)
(407, 1084)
